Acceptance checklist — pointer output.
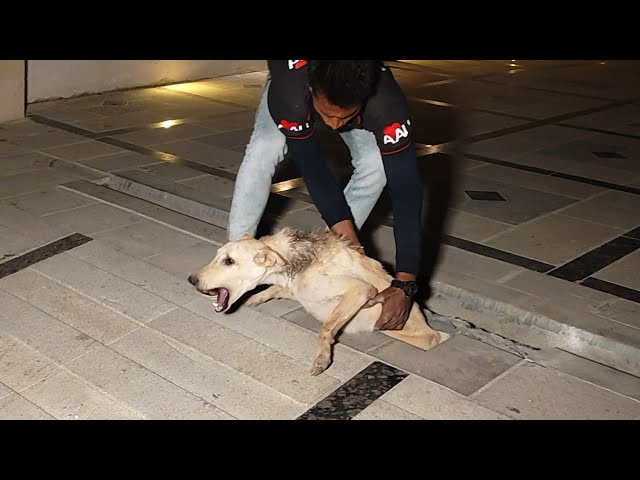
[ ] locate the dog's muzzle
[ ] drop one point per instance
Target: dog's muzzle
(221, 294)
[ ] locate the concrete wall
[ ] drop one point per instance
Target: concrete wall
(11, 89)
(48, 79)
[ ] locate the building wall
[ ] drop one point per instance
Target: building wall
(49, 79)
(11, 89)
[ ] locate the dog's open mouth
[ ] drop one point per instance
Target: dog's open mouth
(221, 298)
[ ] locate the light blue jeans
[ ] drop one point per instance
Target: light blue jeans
(267, 148)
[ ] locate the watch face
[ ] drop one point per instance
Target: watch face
(411, 289)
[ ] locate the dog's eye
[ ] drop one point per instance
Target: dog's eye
(229, 261)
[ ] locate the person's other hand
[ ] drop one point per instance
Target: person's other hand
(345, 229)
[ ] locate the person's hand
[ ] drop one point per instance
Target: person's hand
(345, 229)
(396, 307)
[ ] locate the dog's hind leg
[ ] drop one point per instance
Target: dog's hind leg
(355, 293)
(271, 293)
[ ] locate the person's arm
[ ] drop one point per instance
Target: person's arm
(323, 187)
(405, 190)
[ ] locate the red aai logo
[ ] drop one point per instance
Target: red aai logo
(297, 64)
(394, 132)
(292, 126)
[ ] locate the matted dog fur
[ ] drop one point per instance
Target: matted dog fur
(323, 272)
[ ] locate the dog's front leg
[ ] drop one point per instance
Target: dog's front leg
(273, 292)
(356, 294)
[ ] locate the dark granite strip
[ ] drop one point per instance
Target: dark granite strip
(93, 135)
(61, 125)
(505, 163)
(42, 253)
(612, 289)
(356, 394)
(549, 90)
(148, 126)
(540, 68)
(599, 183)
(491, 252)
(122, 131)
(588, 111)
(633, 234)
(544, 171)
(599, 130)
(168, 157)
(547, 121)
(507, 115)
(505, 131)
(533, 123)
(214, 100)
(596, 259)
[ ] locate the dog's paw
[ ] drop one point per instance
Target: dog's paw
(444, 336)
(255, 300)
(320, 365)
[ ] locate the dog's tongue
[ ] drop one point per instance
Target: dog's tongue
(223, 298)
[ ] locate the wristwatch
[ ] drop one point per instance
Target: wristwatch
(410, 288)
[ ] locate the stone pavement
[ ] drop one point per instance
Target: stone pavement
(108, 202)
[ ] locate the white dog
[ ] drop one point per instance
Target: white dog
(329, 278)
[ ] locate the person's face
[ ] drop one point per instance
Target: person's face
(332, 115)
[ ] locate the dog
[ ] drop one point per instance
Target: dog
(328, 276)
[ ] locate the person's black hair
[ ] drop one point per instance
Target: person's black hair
(345, 83)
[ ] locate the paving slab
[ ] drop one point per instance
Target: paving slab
(145, 238)
(533, 392)
(283, 336)
(16, 407)
(431, 401)
(68, 306)
(460, 363)
(104, 288)
(256, 360)
(49, 336)
(67, 397)
(589, 371)
(142, 390)
(231, 391)
(47, 201)
(382, 410)
(22, 364)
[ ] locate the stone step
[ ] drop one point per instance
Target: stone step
(172, 195)
(486, 306)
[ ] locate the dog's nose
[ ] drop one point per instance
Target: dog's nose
(193, 279)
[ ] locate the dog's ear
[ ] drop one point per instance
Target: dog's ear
(246, 236)
(267, 257)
